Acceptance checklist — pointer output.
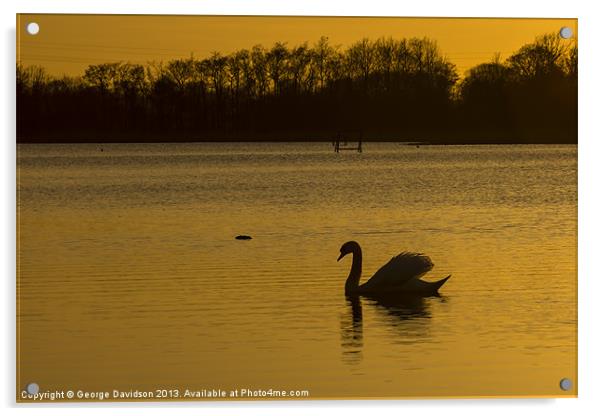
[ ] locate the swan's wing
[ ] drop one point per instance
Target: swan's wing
(400, 269)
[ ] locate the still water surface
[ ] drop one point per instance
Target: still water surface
(129, 276)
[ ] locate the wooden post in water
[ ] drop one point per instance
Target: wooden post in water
(336, 143)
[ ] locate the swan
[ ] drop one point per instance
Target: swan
(401, 275)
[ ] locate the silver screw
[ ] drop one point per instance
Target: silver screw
(33, 28)
(566, 384)
(33, 388)
(566, 32)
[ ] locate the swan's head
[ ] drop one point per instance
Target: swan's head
(349, 247)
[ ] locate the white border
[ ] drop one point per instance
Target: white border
(590, 157)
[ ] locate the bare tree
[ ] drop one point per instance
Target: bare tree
(276, 60)
(543, 57)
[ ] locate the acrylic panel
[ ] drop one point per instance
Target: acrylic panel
(295, 208)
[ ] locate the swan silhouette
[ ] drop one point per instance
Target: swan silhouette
(401, 275)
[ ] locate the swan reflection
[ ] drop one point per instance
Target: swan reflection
(407, 318)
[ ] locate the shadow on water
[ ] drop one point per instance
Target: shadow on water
(408, 316)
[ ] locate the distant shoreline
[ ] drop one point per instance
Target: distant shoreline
(312, 94)
(302, 140)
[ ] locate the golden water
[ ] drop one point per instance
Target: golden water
(129, 276)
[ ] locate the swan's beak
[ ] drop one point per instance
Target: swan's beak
(341, 256)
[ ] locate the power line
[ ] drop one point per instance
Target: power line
(88, 46)
(170, 51)
(69, 49)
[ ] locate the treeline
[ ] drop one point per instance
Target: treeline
(385, 89)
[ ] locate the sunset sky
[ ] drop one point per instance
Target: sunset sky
(67, 44)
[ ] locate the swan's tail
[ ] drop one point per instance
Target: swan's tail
(439, 283)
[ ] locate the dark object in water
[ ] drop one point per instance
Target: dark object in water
(244, 237)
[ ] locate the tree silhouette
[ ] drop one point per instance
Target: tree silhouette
(387, 89)
(532, 96)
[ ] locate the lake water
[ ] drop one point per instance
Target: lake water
(129, 276)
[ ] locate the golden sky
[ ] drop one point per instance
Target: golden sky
(66, 44)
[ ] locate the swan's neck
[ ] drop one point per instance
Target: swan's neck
(353, 281)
